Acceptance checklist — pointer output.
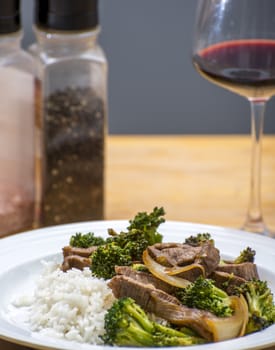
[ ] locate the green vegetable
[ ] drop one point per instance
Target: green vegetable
(126, 324)
(125, 248)
(148, 224)
(260, 303)
(246, 255)
(133, 242)
(199, 239)
(86, 240)
(140, 267)
(203, 294)
(106, 257)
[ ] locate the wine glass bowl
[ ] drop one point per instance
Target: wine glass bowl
(234, 48)
(245, 67)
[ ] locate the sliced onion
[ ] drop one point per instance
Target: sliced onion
(160, 272)
(224, 328)
(178, 270)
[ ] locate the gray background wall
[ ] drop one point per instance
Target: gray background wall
(153, 87)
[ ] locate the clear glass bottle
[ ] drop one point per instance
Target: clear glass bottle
(73, 75)
(18, 195)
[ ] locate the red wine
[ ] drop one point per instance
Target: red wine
(246, 67)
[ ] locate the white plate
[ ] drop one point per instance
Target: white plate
(20, 265)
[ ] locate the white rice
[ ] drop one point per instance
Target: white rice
(68, 305)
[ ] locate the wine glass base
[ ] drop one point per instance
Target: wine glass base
(258, 227)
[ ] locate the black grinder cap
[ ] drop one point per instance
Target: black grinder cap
(67, 15)
(9, 16)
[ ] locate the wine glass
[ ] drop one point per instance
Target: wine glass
(234, 47)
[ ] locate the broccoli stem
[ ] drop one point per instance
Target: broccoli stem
(138, 337)
(127, 324)
(138, 315)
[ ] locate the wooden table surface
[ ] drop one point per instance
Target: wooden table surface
(200, 179)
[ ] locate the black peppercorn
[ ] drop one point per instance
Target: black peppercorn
(74, 156)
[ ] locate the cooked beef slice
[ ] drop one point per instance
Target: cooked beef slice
(246, 270)
(161, 304)
(85, 252)
(179, 255)
(173, 254)
(75, 261)
(226, 281)
(124, 286)
(145, 278)
(193, 273)
(208, 257)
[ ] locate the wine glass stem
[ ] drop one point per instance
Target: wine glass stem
(254, 220)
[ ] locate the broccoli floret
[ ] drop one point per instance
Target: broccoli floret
(121, 251)
(198, 239)
(134, 242)
(246, 255)
(203, 294)
(86, 240)
(125, 248)
(148, 224)
(126, 324)
(261, 307)
(106, 257)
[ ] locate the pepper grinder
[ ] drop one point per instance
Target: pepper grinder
(73, 76)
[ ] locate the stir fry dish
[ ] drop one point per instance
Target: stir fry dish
(172, 293)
